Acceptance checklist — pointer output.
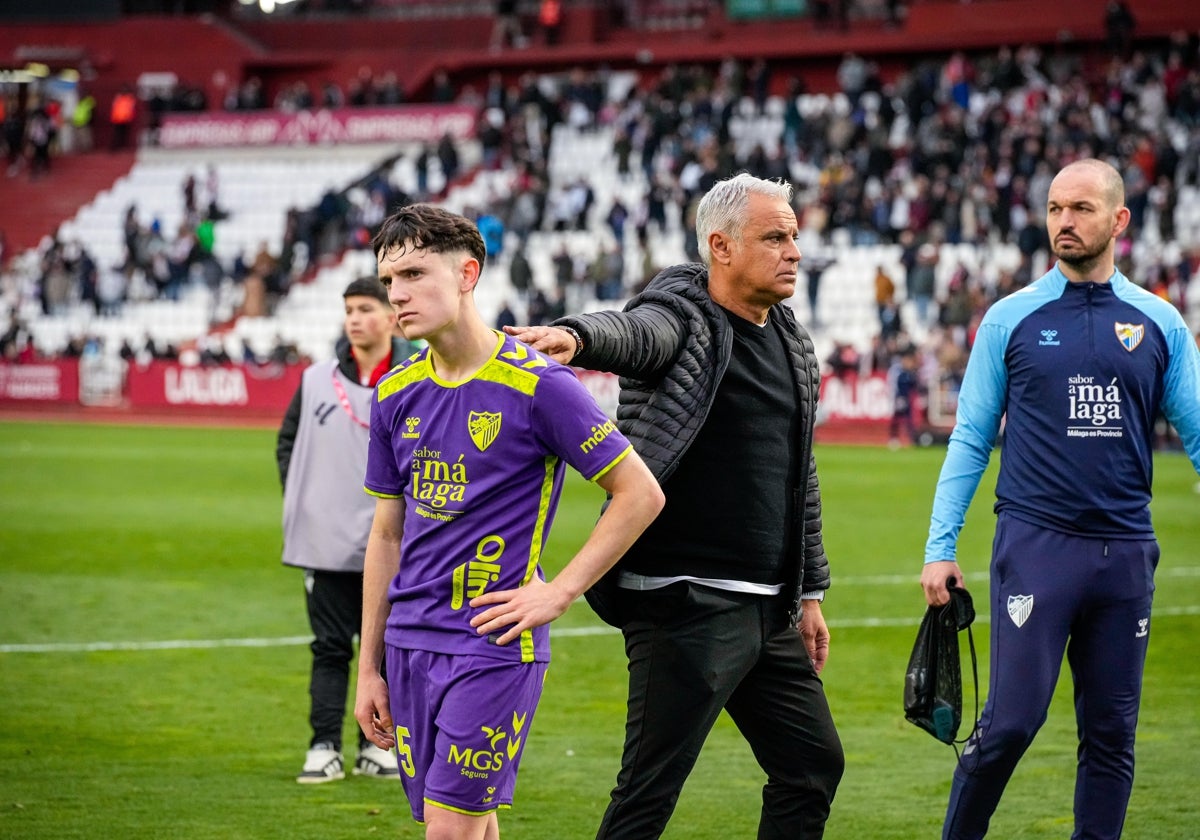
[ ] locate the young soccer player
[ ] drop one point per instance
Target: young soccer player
(466, 459)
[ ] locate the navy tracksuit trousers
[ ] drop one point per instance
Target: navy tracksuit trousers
(1051, 591)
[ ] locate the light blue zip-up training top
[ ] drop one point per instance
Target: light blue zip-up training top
(1081, 371)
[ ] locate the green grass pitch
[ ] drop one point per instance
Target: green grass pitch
(153, 668)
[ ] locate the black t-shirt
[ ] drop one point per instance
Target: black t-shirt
(729, 500)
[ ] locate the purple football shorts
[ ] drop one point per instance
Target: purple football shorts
(461, 725)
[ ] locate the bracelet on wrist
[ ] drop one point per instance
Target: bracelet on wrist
(571, 331)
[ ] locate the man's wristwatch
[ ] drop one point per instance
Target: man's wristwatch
(571, 331)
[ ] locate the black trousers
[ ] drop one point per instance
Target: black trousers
(693, 651)
(335, 616)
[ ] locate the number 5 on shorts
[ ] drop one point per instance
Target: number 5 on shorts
(404, 752)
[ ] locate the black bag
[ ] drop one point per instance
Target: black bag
(933, 683)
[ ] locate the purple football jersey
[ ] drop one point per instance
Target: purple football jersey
(479, 464)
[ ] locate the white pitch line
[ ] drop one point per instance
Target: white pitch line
(169, 644)
(558, 633)
(915, 578)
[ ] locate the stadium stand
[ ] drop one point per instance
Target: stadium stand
(867, 121)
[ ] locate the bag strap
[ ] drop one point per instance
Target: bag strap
(975, 679)
(964, 610)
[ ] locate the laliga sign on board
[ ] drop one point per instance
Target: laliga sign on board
(862, 398)
(227, 387)
(205, 386)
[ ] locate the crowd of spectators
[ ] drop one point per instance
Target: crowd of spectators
(956, 150)
(34, 129)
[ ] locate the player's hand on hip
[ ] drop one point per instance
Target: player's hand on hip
(517, 610)
(935, 580)
(555, 343)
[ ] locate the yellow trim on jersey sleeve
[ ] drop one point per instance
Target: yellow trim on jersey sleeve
(401, 377)
(513, 368)
(522, 381)
(612, 464)
(371, 492)
(523, 357)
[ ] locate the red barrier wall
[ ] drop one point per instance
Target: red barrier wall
(225, 387)
(46, 383)
(113, 389)
(854, 410)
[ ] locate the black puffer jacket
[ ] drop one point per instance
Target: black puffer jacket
(670, 346)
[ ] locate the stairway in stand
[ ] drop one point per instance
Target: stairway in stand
(31, 209)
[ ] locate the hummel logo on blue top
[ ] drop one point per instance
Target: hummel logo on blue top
(1048, 339)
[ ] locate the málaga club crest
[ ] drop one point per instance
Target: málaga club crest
(1130, 335)
(1019, 608)
(483, 426)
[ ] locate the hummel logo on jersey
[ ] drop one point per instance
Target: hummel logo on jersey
(1130, 335)
(1049, 339)
(410, 426)
(1143, 628)
(520, 354)
(514, 743)
(1019, 608)
(483, 426)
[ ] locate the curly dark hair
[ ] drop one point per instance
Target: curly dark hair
(424, 226)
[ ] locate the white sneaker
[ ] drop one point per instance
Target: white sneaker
(372, 761)
(322, 764)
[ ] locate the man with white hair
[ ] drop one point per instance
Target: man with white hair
(720, 599)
